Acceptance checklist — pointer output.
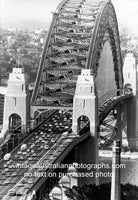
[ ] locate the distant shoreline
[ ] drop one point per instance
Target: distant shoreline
(124, 155)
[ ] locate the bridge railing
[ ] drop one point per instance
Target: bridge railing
(8, 134)
(114, 93)
(110, 94)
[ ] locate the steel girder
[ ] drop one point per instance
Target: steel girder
(75, 41)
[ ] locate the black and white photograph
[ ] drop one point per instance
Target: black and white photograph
(68, 100)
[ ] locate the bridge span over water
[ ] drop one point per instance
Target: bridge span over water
(81, 62)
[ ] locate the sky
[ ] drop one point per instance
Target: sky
(35, 13)
(127, 13)
(21, 12)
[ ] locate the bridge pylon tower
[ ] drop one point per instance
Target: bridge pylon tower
(17, 100)
(130, 74)
(85, 101)
(85, 104)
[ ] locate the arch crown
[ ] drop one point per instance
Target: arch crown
(75, 41)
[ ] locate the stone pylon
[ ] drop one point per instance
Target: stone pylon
(130, 74)
(85, 101)
(17, 100)
(85, 106)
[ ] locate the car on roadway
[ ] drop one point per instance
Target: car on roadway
(5, 165)
(3, 172)
(6, 182)
(65, 133)
(14, 174)
(28, 150)
(19, 152)
(32, 151)
(42, 146)
(11, 192)
(53, 140)
(46, 147)
(20, 184)
(48, 135)
(40, 139)
(9, 162)
(32, 145)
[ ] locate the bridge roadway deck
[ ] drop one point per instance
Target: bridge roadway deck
(46, 146)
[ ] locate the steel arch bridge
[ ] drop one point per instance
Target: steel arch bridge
(82, 32)
(76, 38)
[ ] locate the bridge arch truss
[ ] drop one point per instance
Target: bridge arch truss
(75, 41)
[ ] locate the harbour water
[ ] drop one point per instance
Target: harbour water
(129, 172)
